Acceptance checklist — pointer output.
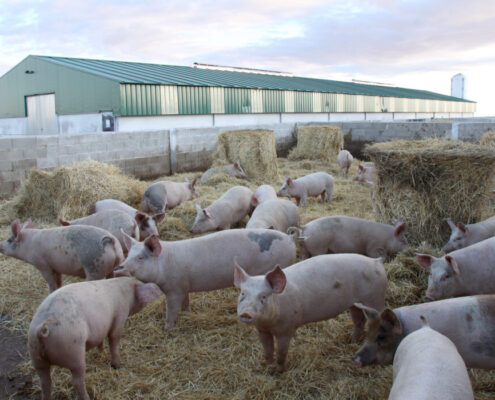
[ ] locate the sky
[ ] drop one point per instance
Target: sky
(415, 44)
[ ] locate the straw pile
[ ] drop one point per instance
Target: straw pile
(318, 142)
(488, 139)
(255, 149)
(69, 192)
(424, 182)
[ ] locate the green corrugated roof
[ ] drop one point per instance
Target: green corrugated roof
(157, 74)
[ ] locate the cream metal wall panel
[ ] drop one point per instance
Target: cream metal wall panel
(289, 101)
(317, 102)
(256, 100)
(169, 103)
(217, 100)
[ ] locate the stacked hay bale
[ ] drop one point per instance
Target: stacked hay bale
(488, 139)
(318, 142)
(424, 182)
(255, 149)
(69, 192)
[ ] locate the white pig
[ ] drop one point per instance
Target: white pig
(263, 193)
(278, 214)
(366, 173)
(463, 272)
(147, 224)
(204, 263)
(78, 317)
(312, 290)
(315, 184)
(428, 366)
(230, 208)
(344, 158)
(234, 170)
(342, 234)
(466, 235)
(165, 195)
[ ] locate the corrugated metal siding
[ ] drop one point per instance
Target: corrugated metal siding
(256, 100)
(217, 100)
(169, 102)
(237, 101)
(303, 102)
(274, 100)
(141, 100)
(289, 101)
(194, 100)
(316, 102)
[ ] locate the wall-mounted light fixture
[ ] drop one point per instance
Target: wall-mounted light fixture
(29, 71)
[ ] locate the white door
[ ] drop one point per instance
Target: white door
(41, 116)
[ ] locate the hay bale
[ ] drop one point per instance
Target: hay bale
(255, 149)
(488, 139)
(70, 191)
(318, 142)
(426, 181)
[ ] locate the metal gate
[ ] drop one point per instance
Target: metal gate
(41, 117)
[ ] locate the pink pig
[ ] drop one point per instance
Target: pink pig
(165, 195)
(77, 318)
(262, 194)
(466, 235)
(312, 185)
(234, 170)
(344, 158)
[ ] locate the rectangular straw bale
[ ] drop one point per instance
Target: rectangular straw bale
(488, 139)
(318, 142)
(255, 149)
(425, 182)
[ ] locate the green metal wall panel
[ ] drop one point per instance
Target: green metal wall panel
(237, 101)
(194, 100)
(273, 101)
(140, 100)
(303, 102)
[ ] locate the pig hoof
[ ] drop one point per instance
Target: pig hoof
(266, 362)
(115, 365)
(280, 368)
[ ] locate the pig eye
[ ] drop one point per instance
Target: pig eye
(380, 337)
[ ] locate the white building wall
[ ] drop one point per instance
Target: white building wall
(133, 124)
(379, 116)
(80, 123)
(13, 126)
(304, 117)
(246, 119)
(343, 117)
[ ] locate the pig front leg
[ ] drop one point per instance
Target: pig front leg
(173, 304)
(266, 339)
(303, 198)
(283, 342)
(52, 277)
(185, 303)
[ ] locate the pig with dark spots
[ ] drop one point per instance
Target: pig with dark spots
(278, 214)
(312, 185)
(79, 317)
(342, 234)
(427, 365)
(230, 208)
(110, 220)
(317, 289)
(85, 251)
(147, 224)
(165, 195)
(263, 193)
(463, 272)
(468, 321)
(204, 263)
(234, 170)
(466, 235)
(344, 158)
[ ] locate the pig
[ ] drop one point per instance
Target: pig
(228, 210)
(342, 234)
(278, 214)
(110, 220)
(78, 317)
(316, 184)
(204, 263)
(234, 170)
(263, 193)
(317, 289)
(147, 224)
(344, 158)
(85, 251)
(468, 321)
(165, 195)
(427, 365)
(466, 235)
(463, 272)
(366, 173)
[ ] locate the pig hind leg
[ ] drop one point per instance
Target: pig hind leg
(359, 321)
(185, 303)
(266, 339)
(43, 371)
(79, 381)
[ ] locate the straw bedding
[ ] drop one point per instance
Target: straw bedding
(318, 142)
(209, 354)
(488, 139)
(425, 182)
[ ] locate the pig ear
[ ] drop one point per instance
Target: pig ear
(388, 316)
(361, 167)
(206, 213)
(152, 243)
(370, 313)
(158, 217)
(451, 224)
(254, 201)
(15, 227)
(194, 182)
(400, 227)
(28, 224)
(425, 260)
(64, 222)
(140, 217)
(147, 292)
(128, 240)
(463, 228)
(290, 182)
(240, 275)
(237, 165)
(453, 264)
(276, 279)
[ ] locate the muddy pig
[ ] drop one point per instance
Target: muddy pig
(165, 195)
(463, 272)
(147, 224)
(312, 185)
(263, 193)
(278, 214)
(468, 321)
(427, 365)
(230, 208)
(344, 158)
(204, 263)
(79, 317)
(234, 170)
(312, 290)
(110, 220)
(342, 234)
(466, 235)
(85, 251)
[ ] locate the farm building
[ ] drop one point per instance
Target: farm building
(58, 95)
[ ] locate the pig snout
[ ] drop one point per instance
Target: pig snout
(358, 362)
(246, 318)
(120, 271)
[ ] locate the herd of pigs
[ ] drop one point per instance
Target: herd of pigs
(341, 269)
